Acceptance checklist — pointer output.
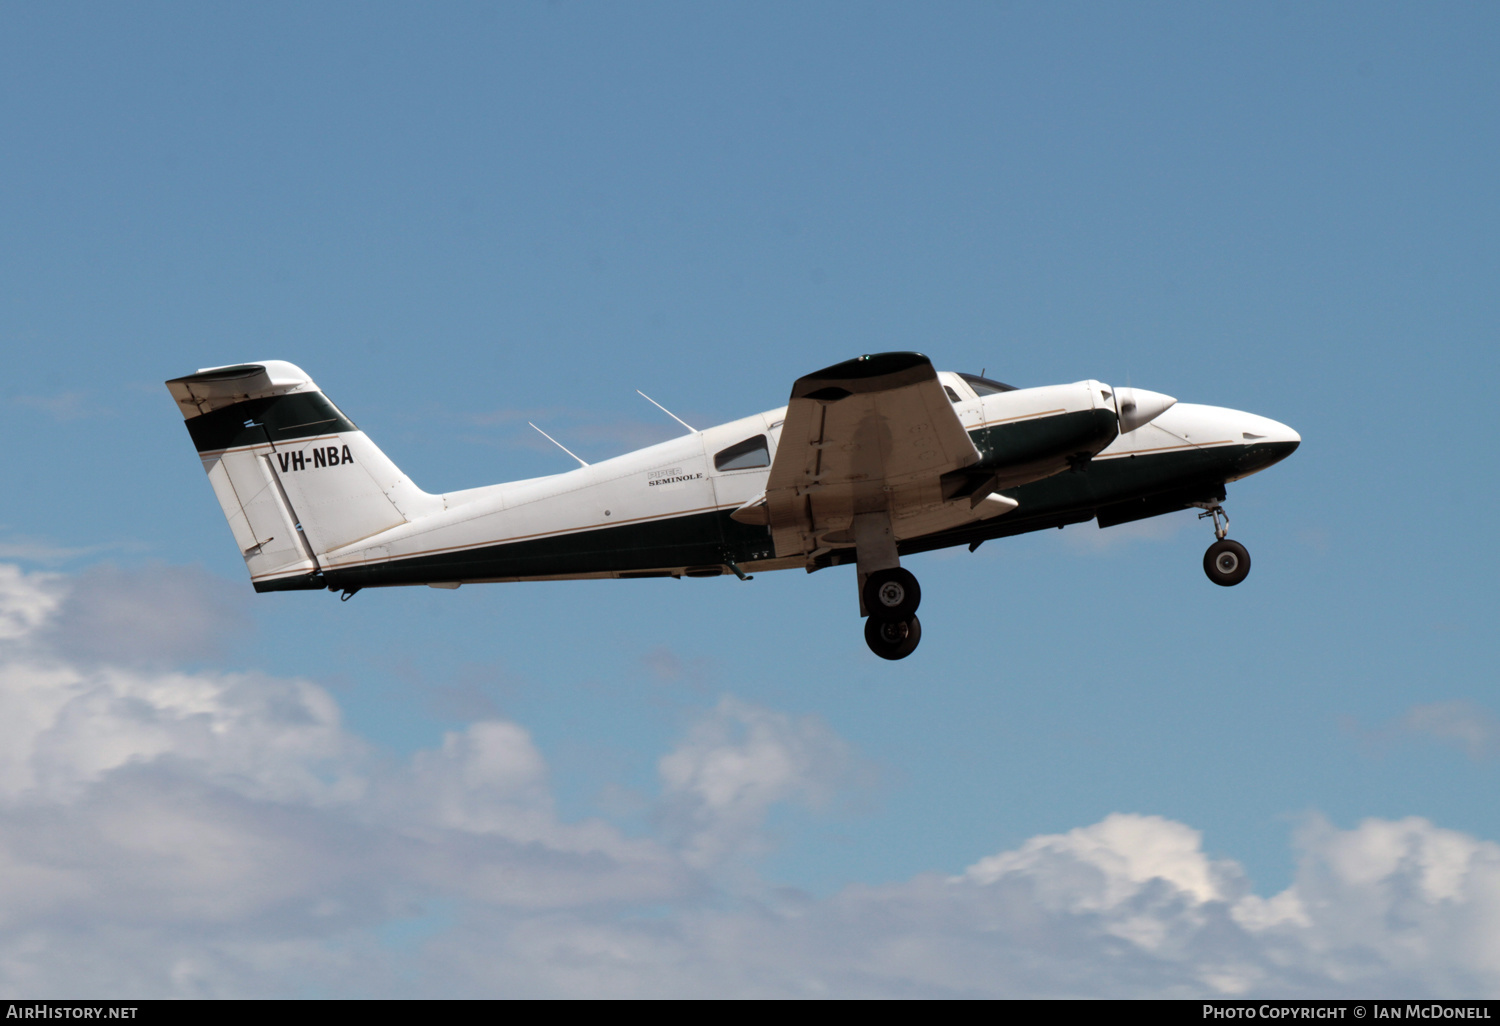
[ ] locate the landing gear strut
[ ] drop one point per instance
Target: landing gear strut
(1226, 562)
(888, 595)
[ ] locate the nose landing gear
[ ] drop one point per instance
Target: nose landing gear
(1226, 562)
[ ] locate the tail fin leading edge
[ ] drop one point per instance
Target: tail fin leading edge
(294, 476)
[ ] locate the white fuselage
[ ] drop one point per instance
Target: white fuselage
(678, 478)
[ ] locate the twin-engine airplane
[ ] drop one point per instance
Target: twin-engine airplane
(870, 460)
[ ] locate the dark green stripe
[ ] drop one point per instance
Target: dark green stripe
(1028, 450)
(1061, 435)
(306, 582)
(281, 417)
(1260, 455)
(697, 539)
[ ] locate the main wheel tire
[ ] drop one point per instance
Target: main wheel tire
(891, 595)
(893, 640)
(1226, 562)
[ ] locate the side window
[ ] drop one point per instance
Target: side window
(952, 395)
(752, 452)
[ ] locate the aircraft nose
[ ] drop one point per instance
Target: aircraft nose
(1138, 407)
(1285, 439)
(1272, 432)
(1266, 442)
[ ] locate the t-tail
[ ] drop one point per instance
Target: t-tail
(295, 478)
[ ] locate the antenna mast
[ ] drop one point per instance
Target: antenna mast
(555, 442)
(663, 409)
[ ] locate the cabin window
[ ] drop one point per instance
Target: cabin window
(752, 452)
(984, 386)
(952, 395)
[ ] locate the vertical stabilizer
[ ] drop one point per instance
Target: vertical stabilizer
(294, 476)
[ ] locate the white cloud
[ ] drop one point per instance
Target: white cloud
(1106, 867)
(1128, 907)
(1458, 722)
(189, 812)
(26, 600)
(165, 832)
(153, 615)
(1127, 851)
(737, 763)
(1421, 901)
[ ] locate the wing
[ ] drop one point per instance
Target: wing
(872, 434)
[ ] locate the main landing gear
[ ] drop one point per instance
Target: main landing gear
(893, 639)
(888, 594)
(891, 594)
(1226, 562)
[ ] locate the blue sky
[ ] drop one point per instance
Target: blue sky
(461, 218)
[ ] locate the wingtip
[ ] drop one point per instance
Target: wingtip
(872, 372)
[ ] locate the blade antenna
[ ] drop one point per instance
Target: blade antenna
(555, 442)
(668, 412)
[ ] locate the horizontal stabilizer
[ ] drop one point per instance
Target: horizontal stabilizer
(214, 388)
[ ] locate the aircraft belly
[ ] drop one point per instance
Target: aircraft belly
(600, 520)
(693, 539)
(1077, 496)
(1105, 481)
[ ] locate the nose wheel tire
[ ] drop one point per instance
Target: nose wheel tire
(893, 639)
(892, 595)
(1226, 563)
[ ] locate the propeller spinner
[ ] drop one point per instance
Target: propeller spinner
(1138, 407)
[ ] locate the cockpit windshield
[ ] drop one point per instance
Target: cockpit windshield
(984, 386)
